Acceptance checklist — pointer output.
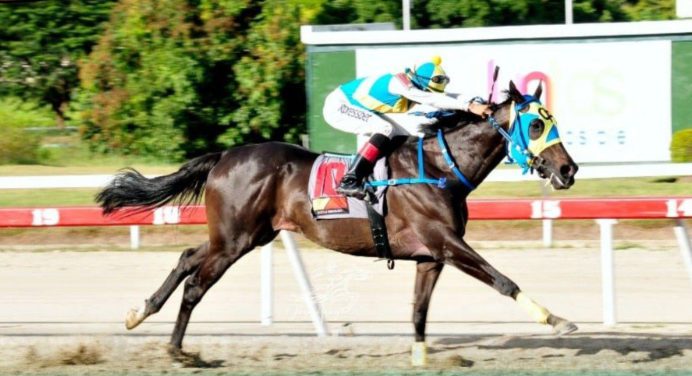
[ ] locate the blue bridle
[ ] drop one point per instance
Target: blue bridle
(518, 140)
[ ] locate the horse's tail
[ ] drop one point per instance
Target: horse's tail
(130, 188)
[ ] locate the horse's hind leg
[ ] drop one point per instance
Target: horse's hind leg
(462, 256)
(187, 264)
(218, 259)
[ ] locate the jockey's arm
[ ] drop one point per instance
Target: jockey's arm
(438, 100)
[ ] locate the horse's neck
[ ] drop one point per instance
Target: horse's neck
(477, 149)
(491, 147)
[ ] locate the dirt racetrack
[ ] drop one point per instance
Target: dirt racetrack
(62, 313)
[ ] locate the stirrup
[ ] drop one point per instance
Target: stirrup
(352, 191)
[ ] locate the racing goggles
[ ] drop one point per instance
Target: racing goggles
(440, 79)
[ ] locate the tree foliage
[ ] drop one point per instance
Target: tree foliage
(270, 81)
(476, 13)
(648, 10)
(172, 78)
(42, 43)
(358, 11)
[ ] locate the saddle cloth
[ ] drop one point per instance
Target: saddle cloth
(325, 176)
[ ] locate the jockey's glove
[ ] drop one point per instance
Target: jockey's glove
(482, 110)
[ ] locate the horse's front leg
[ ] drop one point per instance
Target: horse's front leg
(427, 272)
(457, 252)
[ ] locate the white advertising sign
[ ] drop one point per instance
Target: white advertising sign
(612, 100)
(683, 8)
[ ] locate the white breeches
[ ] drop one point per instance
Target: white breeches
(342, 115)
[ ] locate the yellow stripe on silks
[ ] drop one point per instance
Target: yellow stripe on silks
(537, 312)
(374, 105)
(419, 354)
(401, 105)
(362, 95)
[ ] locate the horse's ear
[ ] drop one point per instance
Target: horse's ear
(539, 90)
(514, 93)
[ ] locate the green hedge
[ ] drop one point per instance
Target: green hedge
(681, 146)
(17, 146)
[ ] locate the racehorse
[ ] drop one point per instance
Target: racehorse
(252, 192)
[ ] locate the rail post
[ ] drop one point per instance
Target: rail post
(684, 245)
(548, 233)
(134, 237)
(304, 282)
(607, 270)
(267, 285)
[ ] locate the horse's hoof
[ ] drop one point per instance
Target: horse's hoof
(182, 358)
(175, 352)
(419, 354)
(133, 318)
(177, 356)
(561, 326)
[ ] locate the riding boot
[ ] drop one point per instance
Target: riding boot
(362, 166)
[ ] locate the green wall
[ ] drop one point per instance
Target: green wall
(325, 72)
(681, 85)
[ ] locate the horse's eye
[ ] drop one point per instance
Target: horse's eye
(536, 129)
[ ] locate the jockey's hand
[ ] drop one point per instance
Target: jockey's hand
(482, 110)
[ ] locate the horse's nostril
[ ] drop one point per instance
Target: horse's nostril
(567, 171)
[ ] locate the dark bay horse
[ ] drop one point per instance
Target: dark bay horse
(254, 191)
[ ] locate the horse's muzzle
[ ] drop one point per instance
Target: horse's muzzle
(561, 177)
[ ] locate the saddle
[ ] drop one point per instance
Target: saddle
(325, 176)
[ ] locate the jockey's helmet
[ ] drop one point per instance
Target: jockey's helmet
(429, 76)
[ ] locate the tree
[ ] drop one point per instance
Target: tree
(270, 78)
(358, 11)
(476, 13)
(172, 78)
(639, 10)
(42, 43)
(599, 11)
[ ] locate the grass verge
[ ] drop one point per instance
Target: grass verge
(585, 188)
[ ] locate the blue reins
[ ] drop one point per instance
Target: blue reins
(422, 179)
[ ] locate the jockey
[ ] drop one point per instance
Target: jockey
(387, 106)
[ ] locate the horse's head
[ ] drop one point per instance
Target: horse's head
(535, 140)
